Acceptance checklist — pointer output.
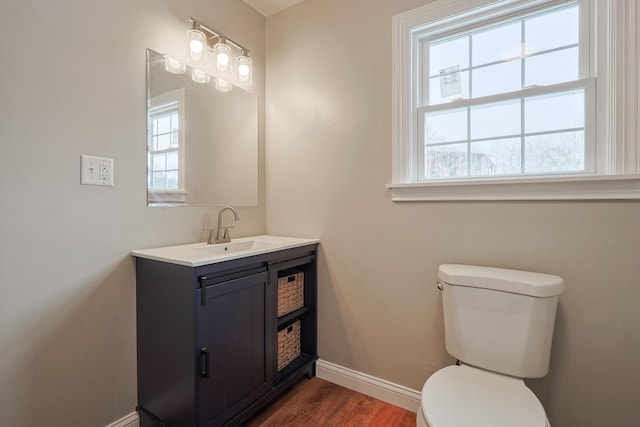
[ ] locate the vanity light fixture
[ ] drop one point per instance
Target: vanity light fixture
(196, 45)
(221, 53)
(244, 69)
(200, 76)
(211, 53)
(174, 66)
(223, 86)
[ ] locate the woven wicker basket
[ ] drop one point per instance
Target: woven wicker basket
(288, 344)
(290, 292)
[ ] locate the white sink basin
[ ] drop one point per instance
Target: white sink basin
(198, 254)
(234, 246)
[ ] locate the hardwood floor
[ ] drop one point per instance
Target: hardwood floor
(319, 403)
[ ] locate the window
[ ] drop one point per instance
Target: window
(496, 127)
(165, 153)
(506, 99)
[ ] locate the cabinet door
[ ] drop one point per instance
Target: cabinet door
(233, 350)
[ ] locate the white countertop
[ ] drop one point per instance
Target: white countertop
(197, 254)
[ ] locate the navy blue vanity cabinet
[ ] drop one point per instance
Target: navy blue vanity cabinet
(207, 337)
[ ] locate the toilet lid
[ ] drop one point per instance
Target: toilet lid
(460, 396)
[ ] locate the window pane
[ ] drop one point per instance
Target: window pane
(496, 119)
(498, 157)
(434, 89)
(172, 161)
(175, 139)
(175, 127)
(446, 126)
(159, 162)
(564, 110)
(164, 124)
(560, 152)
(159, 180)
(174, 122)
(552, 30)
(172, 181)
(448, 53)
(499, 78)
(496, 44)
(163, 141)
(154, 126)
(446, 161)
(551, 68)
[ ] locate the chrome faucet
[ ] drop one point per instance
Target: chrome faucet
(221, 234)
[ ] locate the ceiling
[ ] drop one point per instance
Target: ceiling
(269, 7)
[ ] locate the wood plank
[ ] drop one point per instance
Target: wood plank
(319, 403)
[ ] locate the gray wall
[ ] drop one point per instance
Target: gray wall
(328, 156)
(72, 82)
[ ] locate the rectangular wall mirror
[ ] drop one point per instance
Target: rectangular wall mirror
(202, 144)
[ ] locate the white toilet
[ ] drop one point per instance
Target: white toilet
(499, 325)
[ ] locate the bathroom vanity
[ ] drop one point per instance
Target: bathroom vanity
(208, 328)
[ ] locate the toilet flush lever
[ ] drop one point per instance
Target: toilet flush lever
(440, 286)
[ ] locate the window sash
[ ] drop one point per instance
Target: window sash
(587, 85)
(442, 30)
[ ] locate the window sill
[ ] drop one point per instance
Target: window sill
(166, 198)
(609, 187)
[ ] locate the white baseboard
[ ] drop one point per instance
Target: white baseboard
(130, 420)
(386, 391)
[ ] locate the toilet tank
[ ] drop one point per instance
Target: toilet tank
(498, 319)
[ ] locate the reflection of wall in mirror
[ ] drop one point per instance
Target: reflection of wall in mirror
(224, 153)
(221, 139)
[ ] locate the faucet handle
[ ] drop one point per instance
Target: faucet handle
(226, 234)
(212, 236)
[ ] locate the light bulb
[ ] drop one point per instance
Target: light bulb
(196, 46)
(223, 60)
(222, 51)
(196, 53)
(245, 70)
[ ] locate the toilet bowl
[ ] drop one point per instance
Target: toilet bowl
(465, 396)
(499, 324)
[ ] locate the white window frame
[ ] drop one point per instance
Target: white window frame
(160, 197)
(614, 43)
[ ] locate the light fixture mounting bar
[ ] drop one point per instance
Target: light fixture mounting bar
(213, 34)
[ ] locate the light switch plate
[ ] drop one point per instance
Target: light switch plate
(96, 170)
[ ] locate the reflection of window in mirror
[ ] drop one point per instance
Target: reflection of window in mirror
(165, 152)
